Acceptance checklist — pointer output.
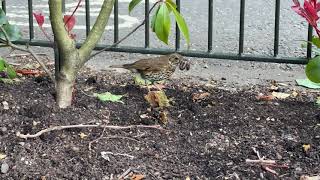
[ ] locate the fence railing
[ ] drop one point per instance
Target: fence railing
(209, 53)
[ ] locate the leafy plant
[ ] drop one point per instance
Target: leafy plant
(309, 11)
(161, 22)
(11, 31)
(6, 71)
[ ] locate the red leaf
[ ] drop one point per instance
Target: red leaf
(29, 72)
(308, 11)
(69, 21)
(39, 18)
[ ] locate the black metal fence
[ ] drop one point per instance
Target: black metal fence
(205, 54)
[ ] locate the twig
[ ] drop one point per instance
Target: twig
(125, 37)
(36, 57)
(116, 154)
(265, 164)
(261, 161)
(124, 174)
(121, 137)
(73, 12)
(56, 128)
(96, 140)
(266, 168)
(26, 54)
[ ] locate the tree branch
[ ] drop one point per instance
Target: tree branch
(65, 43)
(97, 30)
(125, 37)
(28, 50)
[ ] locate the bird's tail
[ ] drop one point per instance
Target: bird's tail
(125, 66)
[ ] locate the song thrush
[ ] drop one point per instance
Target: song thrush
(158, 68)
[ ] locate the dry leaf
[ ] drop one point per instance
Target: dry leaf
(164, 117)
(280, 95)
(83, 135)
(188, 178)
(262, 97)
(306, 147)
(199, 96)
(137, 177)
(157, 99)
(2, 156)
(309, 177)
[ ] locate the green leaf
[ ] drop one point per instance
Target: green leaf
(11, 72)
(138, 80)
(133, 4)
(109, 97)
(153, 20)
(13, 32)
(313, 69)
(172, 4)
(3, 18)
(2, 65)
(316, 41)
(181, 23)
(308, 84)
(163, 24)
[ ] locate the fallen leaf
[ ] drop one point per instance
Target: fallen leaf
(138, 80)
(107, 96)
(308, 84)
(164, 117)
(188, 178)
(157, 99)
(137, 177)
(309, 177)
(280, 95)
(29, 72)
(2, 156)
(306, 147)
(200, 96)
(262, 97)
(83, 135)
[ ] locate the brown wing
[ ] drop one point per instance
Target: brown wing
(151, 64)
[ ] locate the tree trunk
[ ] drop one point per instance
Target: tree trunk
(66, 79)
(64, 90)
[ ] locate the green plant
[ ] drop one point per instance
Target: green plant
(6, 71)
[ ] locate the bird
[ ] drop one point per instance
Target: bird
(157, 68)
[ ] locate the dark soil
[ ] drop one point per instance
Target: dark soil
(207, 139)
